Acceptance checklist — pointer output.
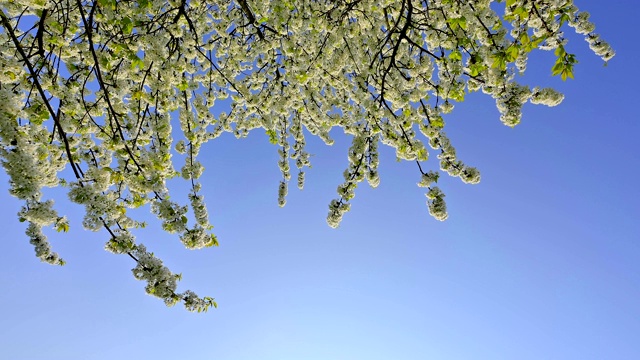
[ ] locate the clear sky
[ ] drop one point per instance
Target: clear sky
(541, 260)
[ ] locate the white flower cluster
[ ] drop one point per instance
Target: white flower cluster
(122, 243)
(161, 282)
(363, 162)
(600, 47)
(172, 215)
(28, 169)
(583, 26)
(337, 209)
(199, 210)
(282, 193)
(39, 213)
(192, 169)
(100, 207)
(510, 101)
(470, 175)
(41, 245)
(373, 160)
(428, 179)
(194, 303)
(436, 204)
(546, 96)
(198, 238)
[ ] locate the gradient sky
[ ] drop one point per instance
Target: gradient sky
(541, 260)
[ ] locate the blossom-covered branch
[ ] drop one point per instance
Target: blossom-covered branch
(100, 85)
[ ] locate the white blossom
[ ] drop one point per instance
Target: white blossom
(546, 96)
(436, 204)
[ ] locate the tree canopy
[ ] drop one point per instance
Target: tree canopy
(91, 91)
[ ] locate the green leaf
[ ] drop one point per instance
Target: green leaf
(476, 69)
(499, 61)
(436, 122)
(463, 23)
(455, 55)
(422, 155)
(512, 53)
(272, 136)
(521, 12)
(557, 68)
(564, 64)
(213, 242)
(136, 62)
(183, 86)
(127, 26)
(456, 23)
(533, 44)
(107, 4)
(137, 201)
(137, 95)
(62, 227)
(456, 94)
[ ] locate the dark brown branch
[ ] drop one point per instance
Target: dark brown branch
(40, 33)
(54, 115)
(249, 14)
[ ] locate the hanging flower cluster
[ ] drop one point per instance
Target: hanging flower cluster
(91, 91)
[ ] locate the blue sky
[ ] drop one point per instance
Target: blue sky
(538, 261)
